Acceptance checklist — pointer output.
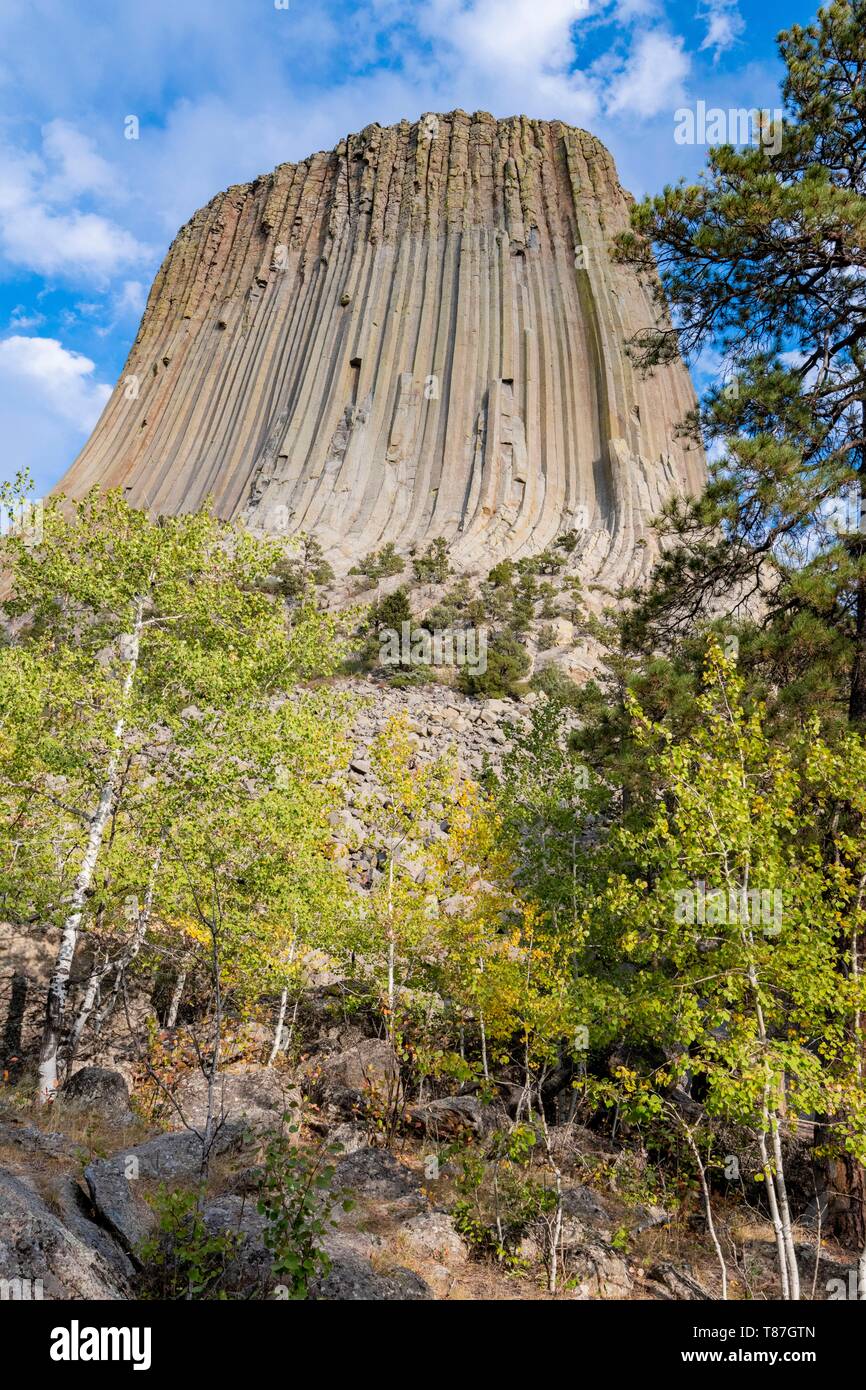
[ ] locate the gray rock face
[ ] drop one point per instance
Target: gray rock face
(598, 1269)
(353, 1279)
(100, 1091)
(254, 1094)
(380, 1177)
(347, 1079)
(452, 1115)
(431, 1239)
(677, 1283)
(113, 1182)
(41, 1257)
(351, 1276)
(70, 1202)
(583, 1207)
(29, 1139)
(418, 334)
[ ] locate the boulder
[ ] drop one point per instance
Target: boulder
(451, 1115)
(594, 1267)
(582, 1208)
(348, 1138)
(252, 1094)
(430, 1240)
(351, 1275)
(599, 1271)
(379, 1177)
(100, 1091)
(72, 1204)
(677, 1283)
(40, 1257)
(353, 1279)
(648, 1218)
(30, 1140)
(348, 1078)
(169, 1158)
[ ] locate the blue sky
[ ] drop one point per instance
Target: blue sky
(223, 90)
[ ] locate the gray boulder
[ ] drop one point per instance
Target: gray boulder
(100, 1091)
(452, 1115)
(30, 1140)
(40, 1257)
(115, 1183)
(595, 1267)
(430, 1241)
(256, 1095)
(677, 1283)
(348, 1079)
(379, 1177)
(581, 1208)
(72, 1204)
(351, 1276)
(353, 1279)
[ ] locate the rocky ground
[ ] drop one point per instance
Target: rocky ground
(77, 1180)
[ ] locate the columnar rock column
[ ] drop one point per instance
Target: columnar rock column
(420, 333)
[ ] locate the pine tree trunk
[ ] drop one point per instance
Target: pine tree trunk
(58, 988)
(857, 689)
(846, 1210)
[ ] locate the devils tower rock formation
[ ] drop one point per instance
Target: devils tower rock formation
(418, 334)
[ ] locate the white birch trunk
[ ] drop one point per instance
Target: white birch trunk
(278, 1031)
(176, 996)
(58, 988)
(119, 965)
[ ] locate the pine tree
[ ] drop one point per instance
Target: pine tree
(763, 261)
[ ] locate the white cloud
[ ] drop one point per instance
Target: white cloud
(724, 23)
(22, 317)
(40, 232)
(60, 381)
(49, 402)
(511, 55)
(78, 166)
(534, 34)
(627, 11)
(131, 298)
(653, 78)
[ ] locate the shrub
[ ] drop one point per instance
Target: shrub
(183, 1259)
(507, 664)
(306, 569)
(556, 685)
(547, 593)
(296, 1201)
(380, 564)
(433, 566)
